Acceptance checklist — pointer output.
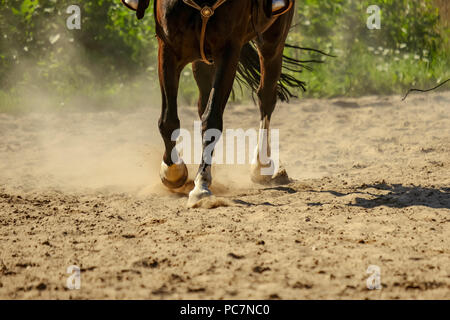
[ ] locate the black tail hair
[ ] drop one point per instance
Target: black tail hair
(249, 71)
(424, 90)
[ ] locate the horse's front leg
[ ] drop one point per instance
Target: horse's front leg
(173, 170)
(212, 118)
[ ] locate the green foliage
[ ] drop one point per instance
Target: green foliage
(410, 48)
(38, 52)
(414, 23)
(111, 44)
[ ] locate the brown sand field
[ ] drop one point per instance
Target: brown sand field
(370, 186)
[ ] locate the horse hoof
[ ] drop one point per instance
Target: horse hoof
(174, 176)
(281, 177)
(197, 194)
(257, 176)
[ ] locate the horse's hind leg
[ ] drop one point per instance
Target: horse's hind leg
(270, 49)
(204, 77)
(173, 170)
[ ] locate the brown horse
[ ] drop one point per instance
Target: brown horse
(239, 37)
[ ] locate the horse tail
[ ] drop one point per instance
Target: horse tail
(249, 71)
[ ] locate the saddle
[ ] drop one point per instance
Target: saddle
(272, 8)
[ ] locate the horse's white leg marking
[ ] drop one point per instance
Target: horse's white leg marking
(262, 168)
(202, 183)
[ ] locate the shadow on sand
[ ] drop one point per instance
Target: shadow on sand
(399, 196)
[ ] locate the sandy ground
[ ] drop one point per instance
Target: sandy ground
(371, 186)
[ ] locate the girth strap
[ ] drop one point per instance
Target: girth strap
(206, 12)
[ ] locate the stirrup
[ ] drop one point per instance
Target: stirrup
(131, 4)
(280, 7)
